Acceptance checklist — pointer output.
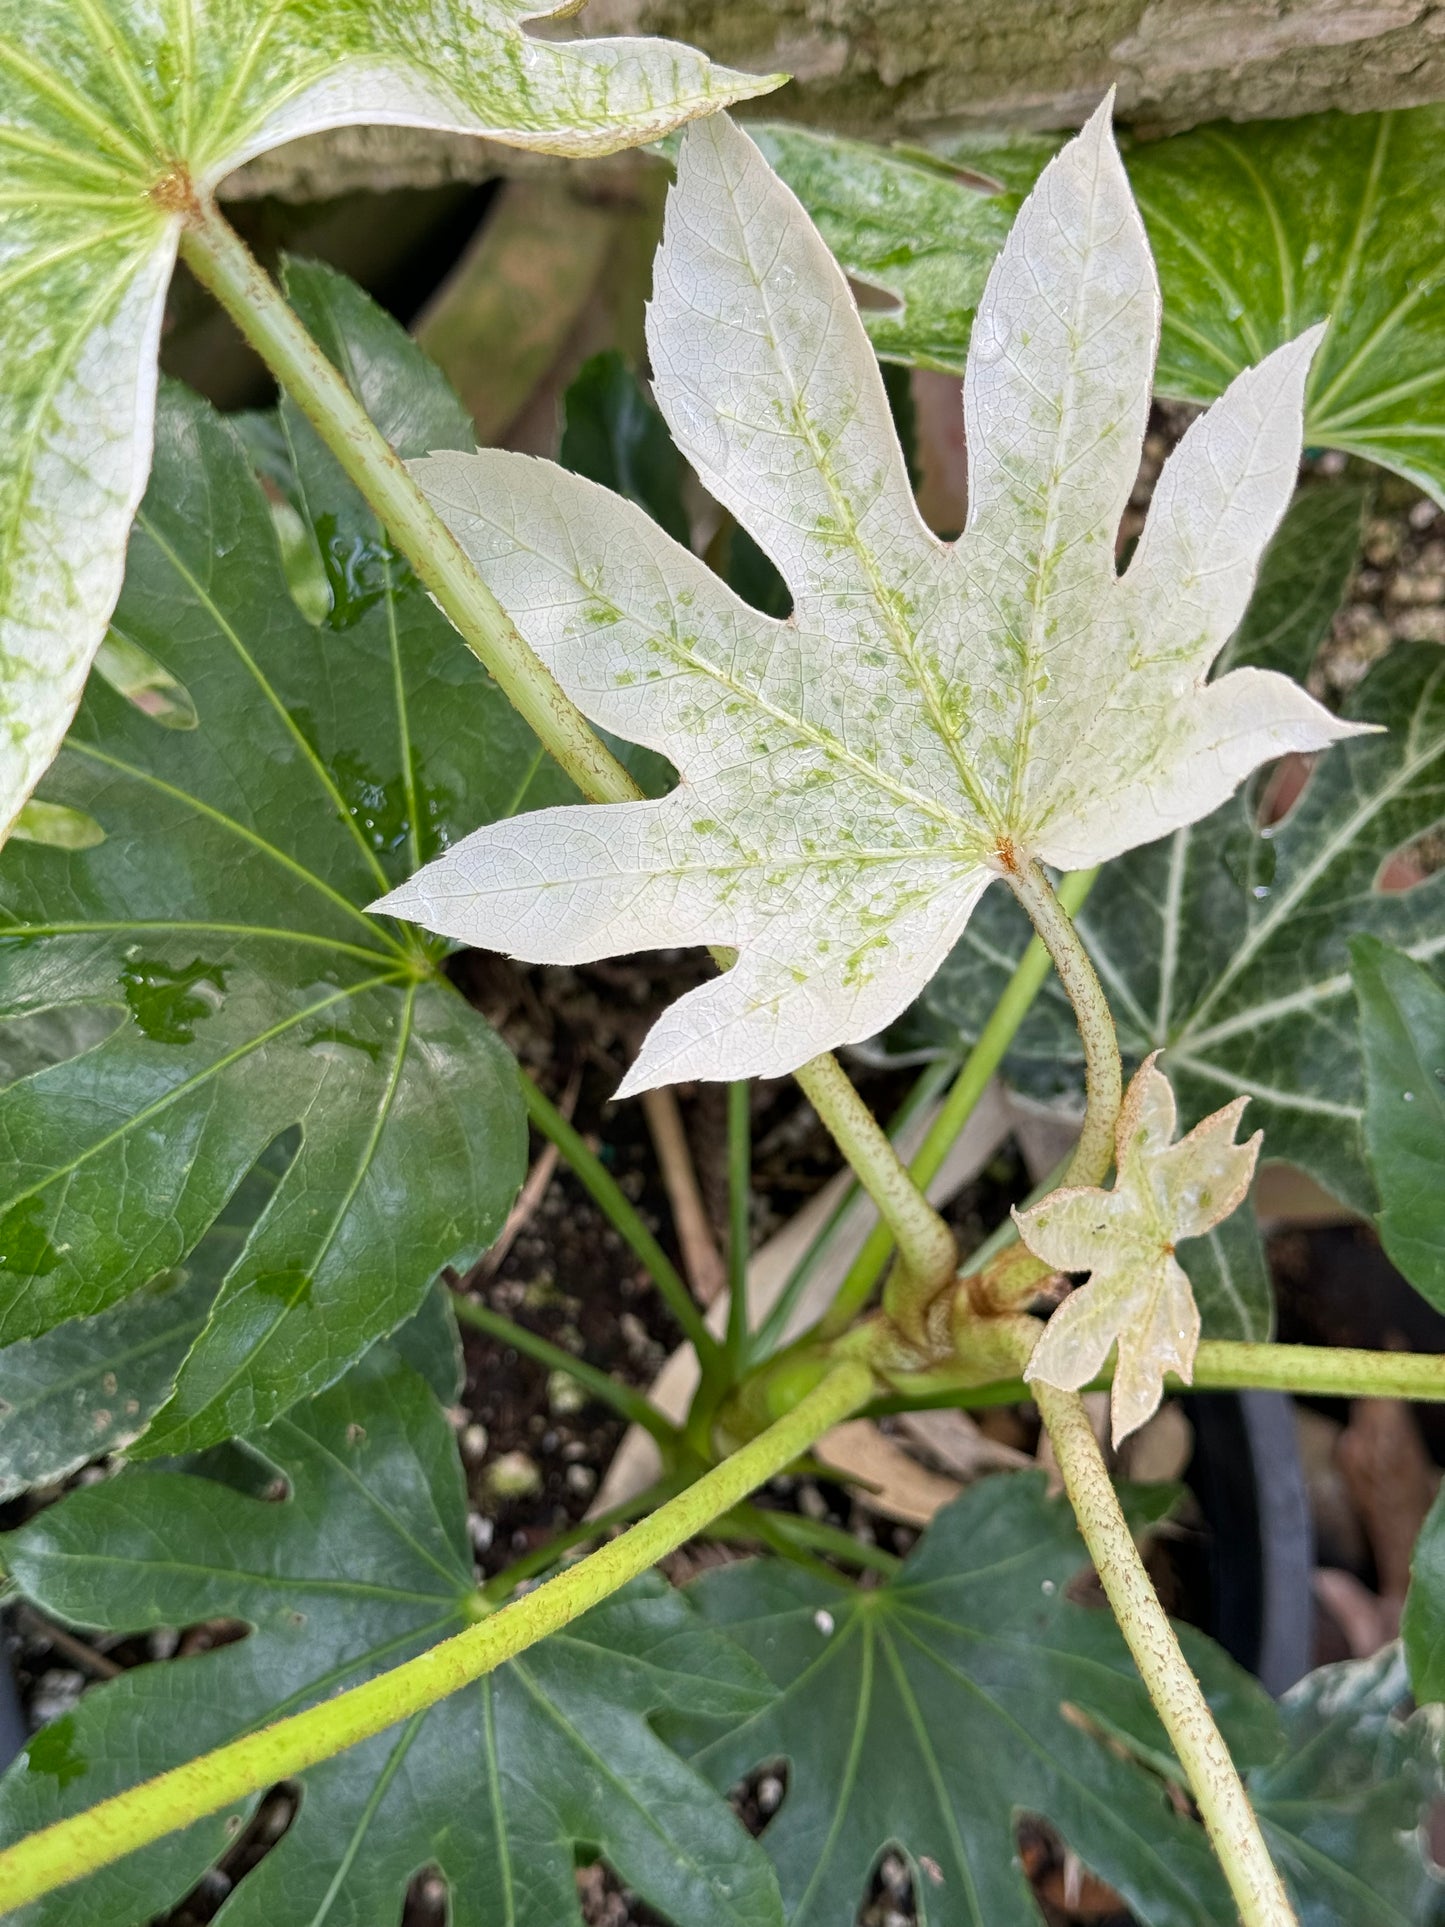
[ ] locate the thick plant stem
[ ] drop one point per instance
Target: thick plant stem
(1221, 1364)
(609, 1197)
(927, 1254)
(117, 1826)
(1258, 1891)
(1319, 1371)
(219, 258)
(958, 1107)
(1103, 1073)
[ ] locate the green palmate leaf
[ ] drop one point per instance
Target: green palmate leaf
(221, 920)
(1259, 231)
(921, 229)
(1423, 1622)
(1229, 1277)
(114, 117)
(1138, 1296)
(1344, 1808)
(92, 1385)
(1227, 945)
(1402, 1027)
(365, 1563)
(926, 1715)
(1262, 229)
(932, 715)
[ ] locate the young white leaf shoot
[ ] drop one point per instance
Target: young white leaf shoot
(1138, 1295)
(931, 715)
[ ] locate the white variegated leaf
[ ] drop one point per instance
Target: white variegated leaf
(111, 113)
(931, 714)
(1138, 1297)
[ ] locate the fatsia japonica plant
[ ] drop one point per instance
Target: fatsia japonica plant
(251, 1128)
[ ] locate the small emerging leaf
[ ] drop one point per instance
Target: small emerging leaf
(931, 714)
(1138, 1295)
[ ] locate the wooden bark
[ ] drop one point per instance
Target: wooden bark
(902, 68)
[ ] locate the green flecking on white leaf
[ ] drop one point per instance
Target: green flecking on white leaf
(1138, 1295)
(113, 115)
(931, 715)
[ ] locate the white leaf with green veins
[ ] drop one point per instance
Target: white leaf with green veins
(931, 713)
(108, 108)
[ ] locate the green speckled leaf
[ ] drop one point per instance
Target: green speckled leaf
(1227, 946)
(1346, 1806)
(365, 1563)
(924, 1716)
(932, 714)
(219, 928)
(1260, 230)
(110, 111)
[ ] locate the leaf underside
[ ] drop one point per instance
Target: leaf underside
(365, 1563)
(109, 112)
(218, 927)
(931, 714)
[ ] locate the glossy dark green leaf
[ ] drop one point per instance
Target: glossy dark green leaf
(922, 229)
(1259, 230)
(1262, 229)
(365, 1563)
(1344, 1807)
(1423, 1623)
(613, 434)
(927, 1714)
(92, 1385)
(1228, 945)
(220, 925)
(1230, 1276)
(1402, 1027)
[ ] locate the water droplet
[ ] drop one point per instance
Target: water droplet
(1408, 1097)
(823, 1620)
(990, 337)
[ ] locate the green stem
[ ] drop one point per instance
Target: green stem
(614, 1204)
(958, 1107)
(1220, 1365)
(740, 1179)
(927, 1254)
(929, 1082)
(220, 260)
(1103, 1073)
(103, 1833)
(1319, 1371)
(1258, 1891)
(627, 1403)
